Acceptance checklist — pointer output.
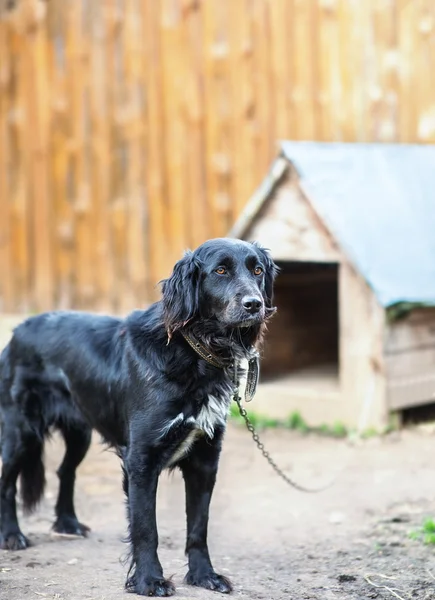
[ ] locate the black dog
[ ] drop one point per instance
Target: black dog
(156, 385)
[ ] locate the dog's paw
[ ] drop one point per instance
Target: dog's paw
(69, 526)
(159, 587)
(210, 581)
(14, 541)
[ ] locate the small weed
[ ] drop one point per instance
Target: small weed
(429, 526)
(426, 533)
(339, 429)
(377, 547)
(429, 531)
(256, 419)
(272, 423)
(295, 421)
(369, 433)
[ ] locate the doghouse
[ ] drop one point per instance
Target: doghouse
(352, 227)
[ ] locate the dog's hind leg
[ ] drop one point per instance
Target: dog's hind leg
(199, 473)
(20, 454)
(77, 438)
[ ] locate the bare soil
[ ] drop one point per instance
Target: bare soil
(271, 540)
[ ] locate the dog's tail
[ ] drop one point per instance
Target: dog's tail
(32, 476)
(30, 445)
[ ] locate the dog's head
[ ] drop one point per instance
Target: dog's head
(228, 280)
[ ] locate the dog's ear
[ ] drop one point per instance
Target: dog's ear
(181, 293)
(271, 271)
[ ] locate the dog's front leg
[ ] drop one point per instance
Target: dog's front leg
(146, 573)
(199, 472)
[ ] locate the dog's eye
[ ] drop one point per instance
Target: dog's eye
(258, 271)
(221, 270)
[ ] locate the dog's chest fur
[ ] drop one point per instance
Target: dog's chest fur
(213, 413)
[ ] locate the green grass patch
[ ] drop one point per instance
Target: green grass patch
(294, 421)
(425, 533)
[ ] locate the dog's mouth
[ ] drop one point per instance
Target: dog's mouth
(247, 323)
(244, 321)
(235, 318)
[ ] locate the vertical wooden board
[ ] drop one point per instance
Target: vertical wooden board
(355, 53)
(383, 96)
(330, 106)
(217, 143)
(114, 16)
(416, 38)
(280, 30)
(77, 66)
(314, 41)
(303, 76)
(405, 16)
(6, 74)
(173, 60)
(429, 115)
(290, 64)
(158, 238)
(391, 76)
(84, 203)
(63, 218)
(263, 133)
(133, 117)
(39, 116)
(361, 92)
(348, 91)
(194, 114)
(13, 168)
(211, 123)
(100, 158)
(224, 98)
(424, 63)
(245, 176)
(21, 209)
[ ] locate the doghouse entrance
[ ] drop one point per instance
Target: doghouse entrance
(301, 346)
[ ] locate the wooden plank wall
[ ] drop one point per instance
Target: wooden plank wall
(132, 129)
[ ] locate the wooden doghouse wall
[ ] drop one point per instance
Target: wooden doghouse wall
(362, 365)
(410, 359)
(290, 228)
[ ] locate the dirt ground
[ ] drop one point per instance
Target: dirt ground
(272, 541)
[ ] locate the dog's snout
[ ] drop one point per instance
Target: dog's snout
(252, 304)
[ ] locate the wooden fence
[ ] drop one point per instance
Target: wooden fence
(132, 129)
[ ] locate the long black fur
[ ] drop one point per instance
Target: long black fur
(145, 390)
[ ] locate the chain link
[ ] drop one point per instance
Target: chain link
(265, 453)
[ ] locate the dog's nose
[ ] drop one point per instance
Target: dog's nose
(252, 305)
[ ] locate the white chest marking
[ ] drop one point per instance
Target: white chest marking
(184, 447)
(170, 424)
(213, 414)
(210, 416)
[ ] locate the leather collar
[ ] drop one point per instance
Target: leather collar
(253, 365)
(205, 353)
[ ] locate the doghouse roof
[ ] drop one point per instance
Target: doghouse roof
(377, 200)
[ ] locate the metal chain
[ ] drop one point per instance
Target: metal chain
(265, 453)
